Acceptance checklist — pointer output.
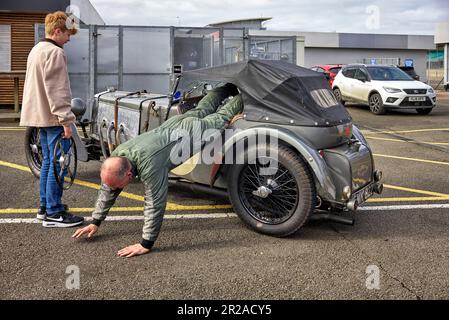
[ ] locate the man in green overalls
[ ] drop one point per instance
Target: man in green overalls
(148, 157)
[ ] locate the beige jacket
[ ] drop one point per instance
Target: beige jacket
(46, 92)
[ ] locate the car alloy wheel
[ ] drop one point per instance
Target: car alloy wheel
(375, 104)
(338, 96)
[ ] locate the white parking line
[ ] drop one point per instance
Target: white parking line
(405, 207)
(229, 215)
(131, 218)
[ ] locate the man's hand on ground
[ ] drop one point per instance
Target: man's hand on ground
(134, 250)
(67, 132)
(89, 230)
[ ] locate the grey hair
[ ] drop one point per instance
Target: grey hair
(123, 166)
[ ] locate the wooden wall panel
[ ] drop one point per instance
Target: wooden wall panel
(22, 38)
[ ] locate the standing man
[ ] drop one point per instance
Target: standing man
(46, 104)
(148, 157)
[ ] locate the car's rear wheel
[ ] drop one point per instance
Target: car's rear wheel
(376, 104)
(424, 110)
(276, 203)
(338, 95)
(33, 150)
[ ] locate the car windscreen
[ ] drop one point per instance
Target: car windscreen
(197, 88)
(388, 74)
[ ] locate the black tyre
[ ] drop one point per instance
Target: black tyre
(33, 150)
(376, 104)
(338, 95)
(424, 110)
(278, 204)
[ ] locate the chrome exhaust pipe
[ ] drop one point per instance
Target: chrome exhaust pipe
(100, 134)
(111, 146)
(121, 131)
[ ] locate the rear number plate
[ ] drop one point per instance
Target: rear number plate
(364, 194)
(413, 99)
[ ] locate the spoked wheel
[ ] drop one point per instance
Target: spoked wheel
(274, 202)
(33, 150)
(270, 200)
(65, 162)
(376, 104)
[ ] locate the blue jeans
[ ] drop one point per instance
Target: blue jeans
(50, 191)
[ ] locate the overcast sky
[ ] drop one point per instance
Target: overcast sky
(378, 16)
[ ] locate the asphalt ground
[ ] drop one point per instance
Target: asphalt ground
(205, 252)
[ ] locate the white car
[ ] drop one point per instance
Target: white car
(382, 87)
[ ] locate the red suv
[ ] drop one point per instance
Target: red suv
(329, 70)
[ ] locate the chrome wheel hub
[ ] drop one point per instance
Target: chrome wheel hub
(262, 192)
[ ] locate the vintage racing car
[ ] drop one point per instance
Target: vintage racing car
(324, 164)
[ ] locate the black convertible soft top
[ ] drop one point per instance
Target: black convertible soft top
(279, 92)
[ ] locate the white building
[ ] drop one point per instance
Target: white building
(442, 39)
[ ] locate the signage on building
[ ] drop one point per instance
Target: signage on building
(408, 62)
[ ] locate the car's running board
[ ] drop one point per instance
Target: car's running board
(333, 218)
(195, 187)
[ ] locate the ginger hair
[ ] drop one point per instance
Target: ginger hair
(59, 20)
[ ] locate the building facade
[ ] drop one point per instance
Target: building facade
(18, 20)
(344, 48)
(442, 40)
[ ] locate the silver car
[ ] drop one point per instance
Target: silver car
(323, 164)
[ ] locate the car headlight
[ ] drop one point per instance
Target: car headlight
(430, 90)
(392, 90)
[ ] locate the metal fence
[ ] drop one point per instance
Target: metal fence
(435, 69)
(273, 48)
(142, 57)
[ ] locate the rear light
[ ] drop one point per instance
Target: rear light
(321, 152)
(347, 132)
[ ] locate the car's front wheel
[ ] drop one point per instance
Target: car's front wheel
(376, 104)
(33, 150)
(424, 110)
(273, 202)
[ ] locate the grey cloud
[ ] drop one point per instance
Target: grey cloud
(407, 17)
